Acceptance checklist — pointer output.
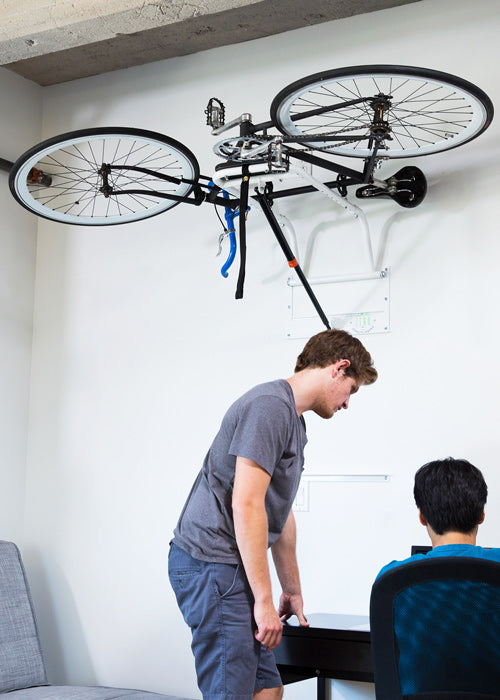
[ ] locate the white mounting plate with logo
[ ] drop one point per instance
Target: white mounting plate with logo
(357, 303)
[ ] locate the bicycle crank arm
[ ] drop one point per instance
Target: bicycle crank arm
(234, 122)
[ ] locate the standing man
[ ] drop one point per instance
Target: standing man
(241, 504)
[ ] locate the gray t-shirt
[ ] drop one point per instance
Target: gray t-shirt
(262, 425)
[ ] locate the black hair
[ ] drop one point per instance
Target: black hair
(450, 494)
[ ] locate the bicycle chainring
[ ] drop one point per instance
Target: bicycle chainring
(239, 149)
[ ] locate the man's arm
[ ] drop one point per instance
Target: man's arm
(251, 529)
(285, 561)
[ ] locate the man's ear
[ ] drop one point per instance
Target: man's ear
(481, 519)
(422, 519)
(339, 366)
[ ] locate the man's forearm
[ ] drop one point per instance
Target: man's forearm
(250, 525)
(285, 558)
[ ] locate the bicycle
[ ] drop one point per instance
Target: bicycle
(107, 176)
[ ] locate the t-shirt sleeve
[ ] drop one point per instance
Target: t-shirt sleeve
(262, 432)
(393, 564)
(387, 567)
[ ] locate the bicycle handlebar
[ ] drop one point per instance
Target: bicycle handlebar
(229, 215)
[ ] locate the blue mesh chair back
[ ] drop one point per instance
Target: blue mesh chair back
(435, 630)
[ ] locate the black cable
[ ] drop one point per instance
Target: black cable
(242, 229)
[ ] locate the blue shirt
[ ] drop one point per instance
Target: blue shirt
(418, 633)
(449, 550)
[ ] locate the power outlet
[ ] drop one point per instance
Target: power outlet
(301, 503)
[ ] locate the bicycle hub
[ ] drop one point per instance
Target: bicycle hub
(106, 188)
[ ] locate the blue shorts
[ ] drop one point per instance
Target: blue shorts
(217, 603)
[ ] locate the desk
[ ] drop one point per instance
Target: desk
(333, 646)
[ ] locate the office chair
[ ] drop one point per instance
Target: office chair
(435, 630)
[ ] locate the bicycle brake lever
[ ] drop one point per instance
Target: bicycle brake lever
(229, 215)
(221, 238)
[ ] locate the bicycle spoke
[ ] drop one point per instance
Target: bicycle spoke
(83, 185)
(422, 111)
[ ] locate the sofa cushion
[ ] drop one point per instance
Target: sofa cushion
(21, 663)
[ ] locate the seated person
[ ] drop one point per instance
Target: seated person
(450, 495)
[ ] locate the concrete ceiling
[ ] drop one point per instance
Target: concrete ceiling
(52, 41)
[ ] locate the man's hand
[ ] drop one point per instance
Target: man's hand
(292, 605)
(269, 627)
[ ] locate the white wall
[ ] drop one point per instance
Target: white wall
(139, 346)
(20, 120)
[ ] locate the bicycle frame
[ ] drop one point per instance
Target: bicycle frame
(271, 154)
(281, 158)
(265, 200)
(345, 177)
(406, 111)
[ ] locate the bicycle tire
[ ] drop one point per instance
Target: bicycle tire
(70, 163)
(431, 111)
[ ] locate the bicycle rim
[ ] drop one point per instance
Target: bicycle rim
(72, 161)
(430, 111)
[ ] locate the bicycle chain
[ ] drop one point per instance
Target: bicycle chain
(305, 137)
(326, 149)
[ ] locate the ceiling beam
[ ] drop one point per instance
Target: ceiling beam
(52, 42)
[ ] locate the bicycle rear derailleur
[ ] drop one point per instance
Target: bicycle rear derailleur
(407, 187)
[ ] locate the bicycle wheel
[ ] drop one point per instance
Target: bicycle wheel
(61, 178)
(427, 110)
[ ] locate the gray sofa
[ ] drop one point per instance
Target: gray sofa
(22, 670)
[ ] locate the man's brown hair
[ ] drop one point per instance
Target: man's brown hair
(329, 346)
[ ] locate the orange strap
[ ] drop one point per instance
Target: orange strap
(293, 263)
